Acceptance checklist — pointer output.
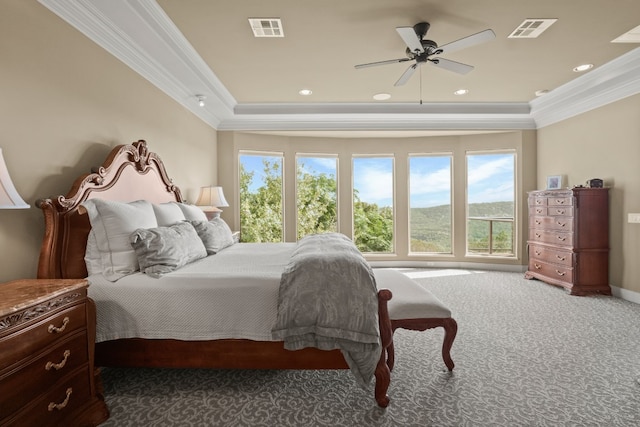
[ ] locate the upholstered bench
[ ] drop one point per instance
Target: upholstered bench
(415, 308)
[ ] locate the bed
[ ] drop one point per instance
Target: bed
(132, 173)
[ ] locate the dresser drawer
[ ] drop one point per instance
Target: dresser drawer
(564, 200)
(559, 211)
(538, 210)
(558, 238)
(19, 387)
(538, 201)
(551, 223)
(550, 255)
(552, 271)
(53, 407)
(30, 340)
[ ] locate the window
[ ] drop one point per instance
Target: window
(373, 204)
(430, 218)
(316, 194)
(261, 197)
(490, 203)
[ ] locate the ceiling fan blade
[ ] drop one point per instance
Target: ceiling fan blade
(456, 67)
(481, 37)
(390, 61)
(410, 38)
(407, 74)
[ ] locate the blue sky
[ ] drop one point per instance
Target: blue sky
(490, 177)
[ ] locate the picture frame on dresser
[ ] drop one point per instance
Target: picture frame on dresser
(554, 182)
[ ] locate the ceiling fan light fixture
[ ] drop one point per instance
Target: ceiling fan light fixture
(381, 96)
(461, 92)
(305, 92)
(583, 67)
(201, 99)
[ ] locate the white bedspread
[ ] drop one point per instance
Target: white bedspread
(233, 294)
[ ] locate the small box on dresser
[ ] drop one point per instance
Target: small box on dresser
(47, 335)
(569, 239)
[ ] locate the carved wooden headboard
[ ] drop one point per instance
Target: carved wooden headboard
(129, 173)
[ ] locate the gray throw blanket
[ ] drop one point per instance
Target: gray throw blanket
(328, 299)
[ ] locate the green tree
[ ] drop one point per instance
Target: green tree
(316, 202)
(261, 210)
(372, 226)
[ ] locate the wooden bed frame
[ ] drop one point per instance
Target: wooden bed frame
(130, 173)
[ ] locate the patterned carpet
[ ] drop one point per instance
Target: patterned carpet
(526, 354)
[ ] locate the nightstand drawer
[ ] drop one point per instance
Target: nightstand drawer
(18, 388)
(28, 341)
(52, 408)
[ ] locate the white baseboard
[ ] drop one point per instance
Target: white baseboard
(625, 294)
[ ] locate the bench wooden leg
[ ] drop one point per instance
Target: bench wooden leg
(450, 330)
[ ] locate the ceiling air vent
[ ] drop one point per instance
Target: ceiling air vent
(266, 27)
(531, 28)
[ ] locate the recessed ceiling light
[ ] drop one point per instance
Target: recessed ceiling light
(461, 92)
(583, 67)
(542, 92)
(305, 92)
(381, 96)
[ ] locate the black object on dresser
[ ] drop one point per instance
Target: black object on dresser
(569, 239)
(47, 335)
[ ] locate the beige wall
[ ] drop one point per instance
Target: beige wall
(64, 103)
(230, 143)
(603, 143)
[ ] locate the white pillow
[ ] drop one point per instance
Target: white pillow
(168, 214)
(192, 212)
(112, 223)
(92, 256)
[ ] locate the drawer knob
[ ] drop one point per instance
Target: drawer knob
(61, 405)
(538, 222)
(560, 273)
(58, 366)
(538, 235)
(560, 211)
(537, 266)
(561, 224)
(560, 201)
(538, 252)
(54, 330)
(561, 238)
(561, 258)
(538, 210)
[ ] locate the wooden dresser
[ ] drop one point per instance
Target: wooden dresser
(47, 334)
(569, 239)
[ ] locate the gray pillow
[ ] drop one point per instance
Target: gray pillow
(162, 250)
(215, 234)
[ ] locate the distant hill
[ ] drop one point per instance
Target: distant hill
(433, 224)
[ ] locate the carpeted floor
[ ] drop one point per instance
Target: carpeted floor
(526, 354)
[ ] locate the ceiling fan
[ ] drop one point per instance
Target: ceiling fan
(423, 51)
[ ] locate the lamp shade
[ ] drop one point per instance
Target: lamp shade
(9, 197)
(212, 196)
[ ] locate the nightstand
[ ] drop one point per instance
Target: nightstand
(47, 335)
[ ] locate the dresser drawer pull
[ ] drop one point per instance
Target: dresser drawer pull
(538, 235)
(561, 224)
(61, 405)
(538, 202)
(560, 273)
(537, 252)
(561, 238)
(58, 366)
(560, 211)
(537, 266)
(538, 222)
(561, 258)
(53, 330)
(539, 211)
(560, 201)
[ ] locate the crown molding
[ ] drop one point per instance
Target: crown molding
(140, 34)
(608, 83)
